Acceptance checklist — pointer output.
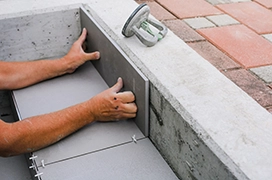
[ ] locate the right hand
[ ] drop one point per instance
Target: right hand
(114, 105)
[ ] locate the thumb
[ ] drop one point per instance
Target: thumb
(92, 56)
(118, 86)
(83, 35)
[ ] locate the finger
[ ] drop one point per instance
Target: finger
(126, 116)
(92, 56)
(130, 108)
(118, 86)
(83, 35)
(125, 97)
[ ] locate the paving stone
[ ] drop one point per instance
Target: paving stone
(213, 55)
(241, 44)
(256, 88)
(188, 9)
(215, 2)
(268, 37)
(183, 31)
(159, 12)
(222, 20)
(251, 14)
(269, 109)
(266, 3)
(265, 73)
(199, 22)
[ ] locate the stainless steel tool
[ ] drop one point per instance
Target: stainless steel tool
(139, 24)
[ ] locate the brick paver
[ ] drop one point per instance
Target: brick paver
(243, 45)
(266, 3)
(251, 14)
(265, 73)
(187, 9)
(222, 20)
(256, 88)
(159, 12)
(199, 22)
(216, 57)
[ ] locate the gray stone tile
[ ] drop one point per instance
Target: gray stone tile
(268, 37)
(265, 73)
(199, 23)
(215, 2)
(222, 20)
(183, 30)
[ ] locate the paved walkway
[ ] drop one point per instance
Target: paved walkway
(233, 35)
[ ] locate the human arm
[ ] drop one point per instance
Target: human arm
(39, 131)
(15, 75)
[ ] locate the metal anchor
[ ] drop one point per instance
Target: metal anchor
(139, 24)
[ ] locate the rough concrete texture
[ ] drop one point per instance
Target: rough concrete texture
(205, 116)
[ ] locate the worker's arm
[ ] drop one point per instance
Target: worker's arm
(14, 75)
(39, 131)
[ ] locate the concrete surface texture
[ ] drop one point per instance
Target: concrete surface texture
(203, 124)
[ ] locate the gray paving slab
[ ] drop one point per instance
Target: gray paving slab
(268, 37)
(137, 161)
(199, 22)
(216, 2)
(265, 73)
(14, 168)
(222, 20)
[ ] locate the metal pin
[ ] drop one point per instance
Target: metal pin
(42, 162)
(39, 174)
(32, 166)
(134, 138)
(33, 157)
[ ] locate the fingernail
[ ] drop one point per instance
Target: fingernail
(97, 55)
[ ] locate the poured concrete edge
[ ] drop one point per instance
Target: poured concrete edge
(230, 123)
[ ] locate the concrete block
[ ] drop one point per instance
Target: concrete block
(199, 22)
(222, 20)
(264, 73)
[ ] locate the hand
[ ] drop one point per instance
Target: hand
(76, 56)
(114, 105)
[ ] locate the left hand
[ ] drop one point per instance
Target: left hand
(76, 56)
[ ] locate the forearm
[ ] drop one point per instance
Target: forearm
(37, 132)
(15, 75)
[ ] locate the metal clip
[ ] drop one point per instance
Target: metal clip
(134, 139)
(39, 174)
(43, 164)
(32, 157)
(32, 166)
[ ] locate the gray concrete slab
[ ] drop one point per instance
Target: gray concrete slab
(65, 91)
(265, 73)
(199, 22)
(222, 20)
(268, 37)
(137, 161)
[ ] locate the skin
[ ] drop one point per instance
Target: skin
(25, 136)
